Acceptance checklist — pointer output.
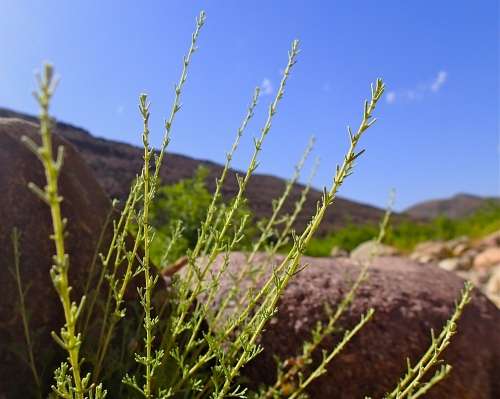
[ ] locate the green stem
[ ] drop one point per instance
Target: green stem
(26, 329)
(144, 107)
(289, 266)
(70, 340)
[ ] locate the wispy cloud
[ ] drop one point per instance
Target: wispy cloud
(266, 87)
(120, 109)
(439, 81)
(419, 91)
(390, 97)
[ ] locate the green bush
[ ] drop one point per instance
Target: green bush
(184, 206)
(177, 214)
(178, 345)
(346, 238)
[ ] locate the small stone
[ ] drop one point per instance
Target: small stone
(471, 253)
(488, 258)
(338, 252)
(431, 250)
(492, 288)
(457, 263)
(450, 264)
(371, 249)
(491, 240)
(460, 249)
(422, 258)
(462, 241)
(469, 276)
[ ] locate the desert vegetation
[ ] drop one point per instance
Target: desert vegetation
(405, 235)
(175, 341)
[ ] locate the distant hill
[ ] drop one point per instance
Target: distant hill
(458, 206)
(115, 165)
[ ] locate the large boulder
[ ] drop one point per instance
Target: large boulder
(85, 206)
(409, 300)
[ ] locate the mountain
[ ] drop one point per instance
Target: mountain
(116, 164)
(458, 206)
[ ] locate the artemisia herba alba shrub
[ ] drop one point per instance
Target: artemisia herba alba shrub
(178, 353)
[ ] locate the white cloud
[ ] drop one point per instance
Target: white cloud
(266, 87)
(390, 97)
(419, 91)
(120, 109)
(439, 81)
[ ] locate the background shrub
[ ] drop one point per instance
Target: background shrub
(405, 235)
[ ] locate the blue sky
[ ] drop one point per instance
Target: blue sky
(437, 132)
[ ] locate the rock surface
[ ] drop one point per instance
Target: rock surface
(86, 207)
(431, 251)
(369, 249)
(409, 299)
(487, 258)
(454, 264)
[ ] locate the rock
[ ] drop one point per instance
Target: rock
(493, 286)
(460, 249)
(453, 264)
(409, 299)
(85, 206)
(471, 253)
(458, 245)
(369, 249)
(450, 264)
(487, 258)
(471, 276)
(430, 251)
(338, 252)
(491, 240)
(453, 243)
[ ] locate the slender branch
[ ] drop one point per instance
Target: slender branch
(69, 339)
(23, 311)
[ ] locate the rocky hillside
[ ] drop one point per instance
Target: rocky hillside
(458, 206)
(115, 164)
